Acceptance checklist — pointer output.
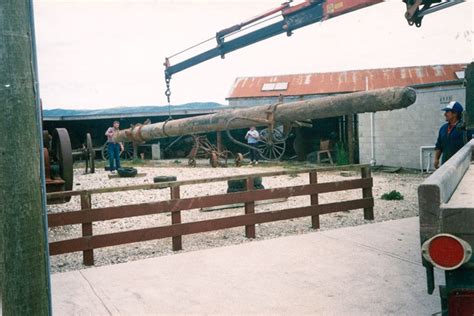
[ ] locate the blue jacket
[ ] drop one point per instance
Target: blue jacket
(450, 143)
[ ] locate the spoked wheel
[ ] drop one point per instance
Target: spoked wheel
(271, 150)
(90, 154)
(239, 158)
(126, 154)
(62, 154)
(272, 144)
(105, 152)
(214, 160)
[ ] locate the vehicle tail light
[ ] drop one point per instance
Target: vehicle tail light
(446, 251)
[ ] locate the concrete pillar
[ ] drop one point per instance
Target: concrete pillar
(155, 151)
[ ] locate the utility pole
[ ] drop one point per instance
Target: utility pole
(469, 82)
(24, 271)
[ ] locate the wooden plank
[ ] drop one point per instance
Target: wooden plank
(164, 185)
(367, 193)
(109, 213)
(250, 209)
(114, 239)
(176, 219)
(116, 176)
(237, 205)
(87, 255)
(313, 178)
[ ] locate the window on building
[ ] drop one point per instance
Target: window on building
(275, 86)
(445, 99)
(460, 74)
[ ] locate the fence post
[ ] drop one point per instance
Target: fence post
(367, 193)
(250, 209)
(176, 219)
(87, 255)
(313, 178)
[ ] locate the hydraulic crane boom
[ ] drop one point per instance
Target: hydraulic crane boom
(417, 9)
(294, 17)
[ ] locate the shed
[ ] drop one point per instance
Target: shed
(390, 138)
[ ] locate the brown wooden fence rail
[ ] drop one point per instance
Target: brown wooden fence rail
(87, 215)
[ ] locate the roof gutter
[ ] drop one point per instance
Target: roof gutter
(415, 86)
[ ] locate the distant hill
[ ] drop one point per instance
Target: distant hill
(135, 110)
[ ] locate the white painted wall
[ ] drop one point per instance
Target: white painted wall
(400, 133)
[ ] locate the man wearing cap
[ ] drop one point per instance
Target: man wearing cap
(451, 135)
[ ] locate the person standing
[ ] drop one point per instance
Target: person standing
(252, 138)
(114, 149)
(452, 136)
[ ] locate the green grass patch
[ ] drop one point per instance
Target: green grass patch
(392, 195)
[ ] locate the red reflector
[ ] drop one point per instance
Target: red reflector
(446, 251)
(461, 303)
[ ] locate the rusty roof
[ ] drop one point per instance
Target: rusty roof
(344, 81)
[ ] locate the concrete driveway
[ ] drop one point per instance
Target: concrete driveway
(373, 269)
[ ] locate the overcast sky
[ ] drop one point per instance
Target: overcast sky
(100, 54)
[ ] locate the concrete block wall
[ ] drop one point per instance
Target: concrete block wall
(400, 133)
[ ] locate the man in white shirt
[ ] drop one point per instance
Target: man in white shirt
(252, 138)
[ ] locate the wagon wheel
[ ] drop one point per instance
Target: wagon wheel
(271, 151)
(239, 158)
(62, 153)
(272, 143)
(90, 154)
(214, 160)
(192, 162)
(127, 153)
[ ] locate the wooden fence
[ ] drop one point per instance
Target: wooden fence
(175, 205)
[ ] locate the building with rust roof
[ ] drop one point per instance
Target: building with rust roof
(390, 138)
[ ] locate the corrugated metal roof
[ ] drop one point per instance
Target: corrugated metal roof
(345, 81)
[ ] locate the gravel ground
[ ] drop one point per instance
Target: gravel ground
(405, 183)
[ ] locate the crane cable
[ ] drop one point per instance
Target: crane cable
(168, 79)
(227, 35)
(168, 96)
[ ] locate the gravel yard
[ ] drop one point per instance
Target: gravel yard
(405, 183)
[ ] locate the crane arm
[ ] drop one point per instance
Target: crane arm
(293, 17)
(417, 9)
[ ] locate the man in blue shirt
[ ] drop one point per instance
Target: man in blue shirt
(452, 136)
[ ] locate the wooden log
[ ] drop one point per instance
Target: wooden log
(138, 175)
(286, 113)
(24, 276)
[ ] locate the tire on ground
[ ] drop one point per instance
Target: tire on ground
(164, 179)
(241, 185)
(127, 172)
